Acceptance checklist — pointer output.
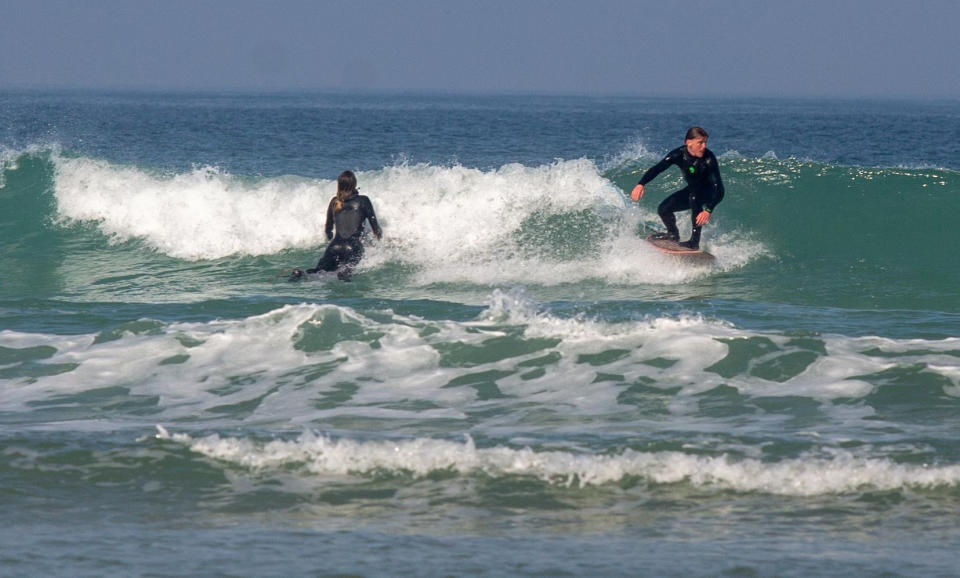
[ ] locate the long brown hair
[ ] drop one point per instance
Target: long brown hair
(346, 185)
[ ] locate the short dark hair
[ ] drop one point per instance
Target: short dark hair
(696, 132)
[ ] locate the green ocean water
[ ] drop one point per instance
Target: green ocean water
(513, 383)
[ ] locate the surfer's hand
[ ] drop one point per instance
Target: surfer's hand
(637, 193)
(702, 218)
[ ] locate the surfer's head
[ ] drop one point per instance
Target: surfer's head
(346, 182)
(696, 141)
(346, 186)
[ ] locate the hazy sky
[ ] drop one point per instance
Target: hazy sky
(883, 48)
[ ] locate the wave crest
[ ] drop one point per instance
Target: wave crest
(806, 476)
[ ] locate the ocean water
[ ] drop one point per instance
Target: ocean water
(513, 383)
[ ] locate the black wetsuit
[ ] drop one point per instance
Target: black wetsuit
(704, 189)
(345, 248)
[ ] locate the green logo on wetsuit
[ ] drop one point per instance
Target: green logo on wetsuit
(692, 170)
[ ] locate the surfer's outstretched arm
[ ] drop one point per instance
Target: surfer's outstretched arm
(653, 172)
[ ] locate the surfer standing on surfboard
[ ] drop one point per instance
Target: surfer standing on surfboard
(704, 188)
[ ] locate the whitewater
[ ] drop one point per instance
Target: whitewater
(513, 383)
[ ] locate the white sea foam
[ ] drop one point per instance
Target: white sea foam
(202, 214)
(451, 223)
(8, 162)
(805, 476)
(273, 367)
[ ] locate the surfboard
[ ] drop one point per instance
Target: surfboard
(671, 247)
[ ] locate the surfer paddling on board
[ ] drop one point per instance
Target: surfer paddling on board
(703, 192)
(346, 213)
